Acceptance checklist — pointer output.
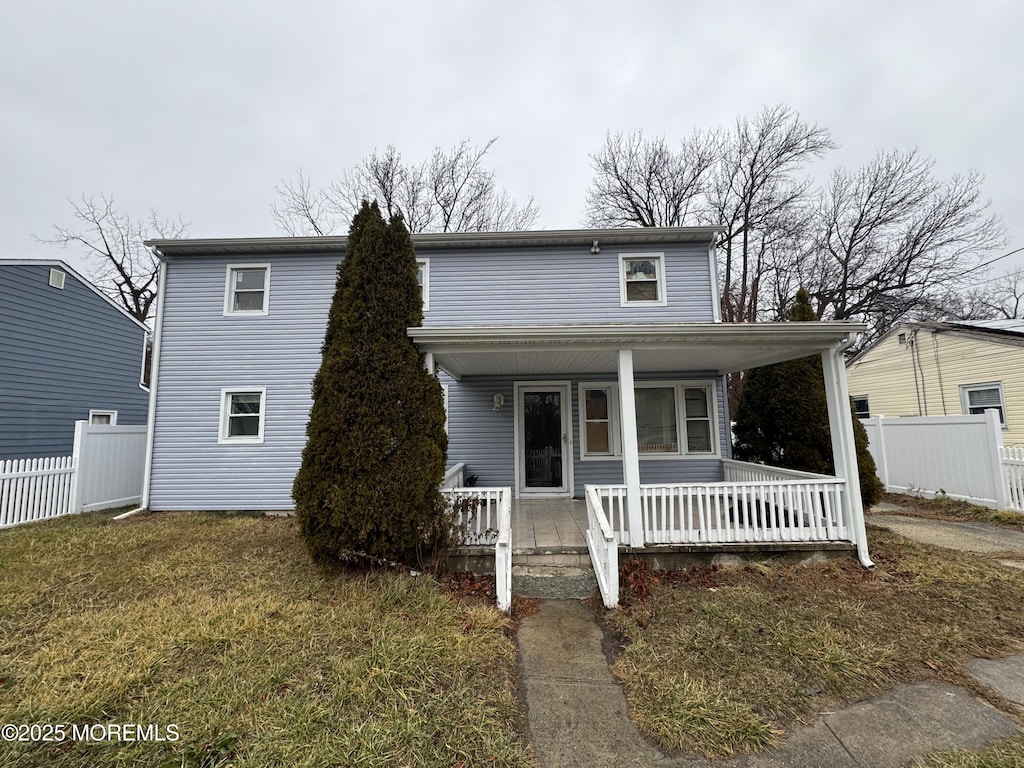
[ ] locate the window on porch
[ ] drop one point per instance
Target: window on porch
(672, 419)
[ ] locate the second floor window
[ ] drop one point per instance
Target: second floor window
(642, 279)
(423, 278)
(248, 290)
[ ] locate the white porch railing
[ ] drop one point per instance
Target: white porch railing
(604, 552)
(484, 517)
(754, 504)
(454, 477)
(503, 553)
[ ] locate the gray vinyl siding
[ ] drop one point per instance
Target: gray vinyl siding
(62, 353)
(484, 440)
(567, 285)
(202, 352)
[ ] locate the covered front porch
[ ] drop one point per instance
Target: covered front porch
(730, 504)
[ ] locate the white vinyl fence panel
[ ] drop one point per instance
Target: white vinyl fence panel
(111, 465)
(955, 456)
(105, 470)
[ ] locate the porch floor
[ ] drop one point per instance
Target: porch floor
(548, 524)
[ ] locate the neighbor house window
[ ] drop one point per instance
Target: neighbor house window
(241, 415)
(106, 418)
(672, 419)
(248, 289)
(423, 278)
(861, 408)
(978, 398)
(642, 279)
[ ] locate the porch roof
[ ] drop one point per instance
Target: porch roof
(657, 347)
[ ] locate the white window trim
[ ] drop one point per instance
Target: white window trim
(426, 282)
(225, 400)
(965, 403)
(659, 258)
(228, 311)
(100, 412)
(616, 431)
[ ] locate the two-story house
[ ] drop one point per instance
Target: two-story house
(67, 353)
(570, 359)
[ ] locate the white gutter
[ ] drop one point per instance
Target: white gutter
(154, 378)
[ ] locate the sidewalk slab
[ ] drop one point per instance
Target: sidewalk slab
(575, 710)
(1004, 676)
(892, 729)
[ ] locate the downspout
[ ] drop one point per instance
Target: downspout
(154, 379)
(938, 370)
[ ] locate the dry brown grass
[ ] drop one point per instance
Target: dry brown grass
(719, 660)
(222, 625)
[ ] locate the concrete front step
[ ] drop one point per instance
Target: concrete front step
(554, 581)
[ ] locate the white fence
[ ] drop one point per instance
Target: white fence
(105, 470)
(957, 456)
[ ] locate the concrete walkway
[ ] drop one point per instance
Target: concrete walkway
(969, 537)
(577, 713)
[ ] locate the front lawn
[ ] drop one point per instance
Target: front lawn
(723, 660)
(221, 626)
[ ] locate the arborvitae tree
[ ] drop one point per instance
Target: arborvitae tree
(782, 417)
(375, 443)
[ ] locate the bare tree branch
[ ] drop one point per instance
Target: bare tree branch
(895, 242)
(452, 191)
(125, 269)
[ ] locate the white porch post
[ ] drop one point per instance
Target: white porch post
(844, 451)
(630, 450)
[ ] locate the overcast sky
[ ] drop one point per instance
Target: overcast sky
(198, 109)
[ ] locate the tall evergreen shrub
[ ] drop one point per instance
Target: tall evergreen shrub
(375, 443)
(782, 417)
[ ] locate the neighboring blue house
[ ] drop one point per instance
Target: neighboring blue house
(570, 358)
(67, 353)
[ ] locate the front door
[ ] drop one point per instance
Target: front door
(544, 448)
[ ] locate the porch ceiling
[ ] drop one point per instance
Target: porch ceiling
(554, 350)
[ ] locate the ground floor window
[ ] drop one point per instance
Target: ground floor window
(672, 419)
(242, 415)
